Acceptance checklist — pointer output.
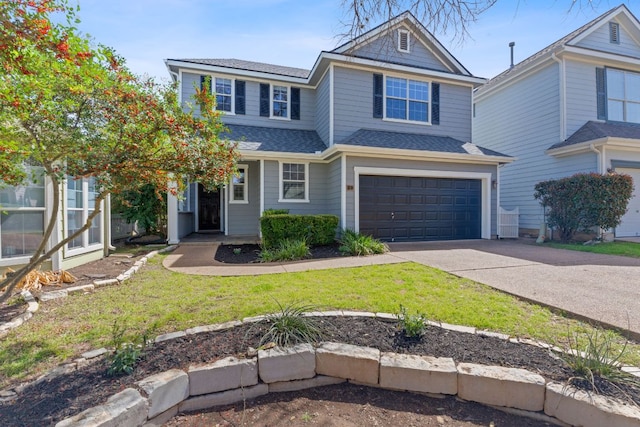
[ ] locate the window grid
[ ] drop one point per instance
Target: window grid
(407, 99)
(81, 202)
(239, 185)
(223, 91)
(280, 102)
(294, 181)
(623, 93)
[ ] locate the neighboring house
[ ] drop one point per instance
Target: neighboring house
(24, 212)
(572, 107)
(378, 132)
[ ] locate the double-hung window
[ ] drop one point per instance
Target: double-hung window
(623, 96)
(239, 187)
(81, 195)
(294, 182)
(407, 99)
(280, 101)
(22, 211)
(224, 94)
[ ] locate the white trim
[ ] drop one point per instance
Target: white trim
(331, 107)
(343, 191)
(86, 247)
(225, 208)
(401, 32)
(179, 85)
(231, 193)
(172, 215)
(562, 89)
(281, 199)
(484, 177)
(429, 103)
(271, 101)
(261, 186)
(600, 20)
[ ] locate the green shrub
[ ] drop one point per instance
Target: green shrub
(290, 327)
(583, 201)
(287, 250)
(352, 243)
(268, 212)
(314, 229)
(413, 325)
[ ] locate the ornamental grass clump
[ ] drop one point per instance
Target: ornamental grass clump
(287, 250)
(356, 244)
(290, 326)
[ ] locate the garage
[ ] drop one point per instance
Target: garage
(406, 208)
(630, 222)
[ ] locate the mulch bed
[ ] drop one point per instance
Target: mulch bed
(14, 307)
(50, 401)
(248, 254)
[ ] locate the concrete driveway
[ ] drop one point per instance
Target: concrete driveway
(604, 288)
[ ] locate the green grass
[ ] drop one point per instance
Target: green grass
(610, 248)
(166, 301)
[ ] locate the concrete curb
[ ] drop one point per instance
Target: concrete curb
(165, 394)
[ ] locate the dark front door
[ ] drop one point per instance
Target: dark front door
(398, 208)
(208, 209)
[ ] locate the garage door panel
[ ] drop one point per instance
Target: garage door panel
(422, 208)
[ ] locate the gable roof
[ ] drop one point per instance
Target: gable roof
(256, 138)
(260, 67)
(592, 131)
(405, 17)
(416, 141)
(555, 47)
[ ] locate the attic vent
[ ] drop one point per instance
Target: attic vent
(403, 40)
(614, 32)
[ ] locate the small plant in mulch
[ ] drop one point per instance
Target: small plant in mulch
(237, 251)
(411, 325)
(356, 244)
(126, 353)
(290, 326)
(287, 250)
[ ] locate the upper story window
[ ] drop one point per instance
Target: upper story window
(407, 99)
(239, 193)
(22, 211)
(294, 182)
(623, 96)
(223, 90)
(280, 101)
(230, 93)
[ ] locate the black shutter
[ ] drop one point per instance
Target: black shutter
(435, 103)
(295, 103)
(264, 100)
(204, 79)
(240, 96)
(601, 94)
(378, 101)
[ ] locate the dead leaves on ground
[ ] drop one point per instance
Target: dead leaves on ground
(35, 280)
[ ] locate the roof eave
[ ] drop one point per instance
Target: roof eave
(418, 154)
(235, 71)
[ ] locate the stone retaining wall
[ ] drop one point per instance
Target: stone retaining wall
(158, 398)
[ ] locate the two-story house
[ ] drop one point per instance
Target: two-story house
(572, 107)
(378, 132)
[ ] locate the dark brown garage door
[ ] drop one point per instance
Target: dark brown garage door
(397, 208)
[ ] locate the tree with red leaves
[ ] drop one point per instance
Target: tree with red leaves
(76, 111)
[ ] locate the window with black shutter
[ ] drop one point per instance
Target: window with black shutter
(295, 103)
(240, 97)
(378, 99)
(435, 103)
(264, 100)
(601, 94)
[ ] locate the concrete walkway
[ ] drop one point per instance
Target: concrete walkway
(603, 288)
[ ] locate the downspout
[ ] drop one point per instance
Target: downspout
(498, 200)
(563, 98)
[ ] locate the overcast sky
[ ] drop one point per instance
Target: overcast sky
(294, 32)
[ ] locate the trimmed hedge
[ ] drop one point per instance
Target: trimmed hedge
(315, 229)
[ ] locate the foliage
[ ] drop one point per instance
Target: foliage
(356, 244)
(268, 212)
(290, 326)
(125, 354)
(594, 353)
(583, 201)
(76, 111)
(286, 250)
(315, 229)
(629, 249)
(146, 205)
(413, 325)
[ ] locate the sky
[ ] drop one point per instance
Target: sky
(294, 32)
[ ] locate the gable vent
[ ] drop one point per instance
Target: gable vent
(614, 32)
(403, 40)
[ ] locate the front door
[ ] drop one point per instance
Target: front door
(208, 209)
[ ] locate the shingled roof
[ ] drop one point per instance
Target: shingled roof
(260, 67)
(256, 138)
(592, 131)
(416, 141)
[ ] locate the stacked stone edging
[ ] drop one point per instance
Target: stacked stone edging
(160, 397)
(32, 307)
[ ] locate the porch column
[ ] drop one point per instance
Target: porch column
(172, 215)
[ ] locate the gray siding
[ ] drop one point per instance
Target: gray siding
(415, 165)
(252, 116)
(333, 187)
(385, 49)
(353, 108)
(581, 94)
(599, 40)
(523, 120)
(322, 109)
(243, 217)
(185, 224)
(318, 203)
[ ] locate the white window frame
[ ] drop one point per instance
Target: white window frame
(407, 99)
(281, 181)
(233, 92)
(184, 202)
(401, 33)
(625, 102)
(272, 101)
(24, 209)
(231, 186)
(86, 246)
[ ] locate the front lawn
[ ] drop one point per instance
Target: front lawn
(609, 248)
(167, 301)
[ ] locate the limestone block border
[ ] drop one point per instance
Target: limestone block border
(32, 307)
(171, 391)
